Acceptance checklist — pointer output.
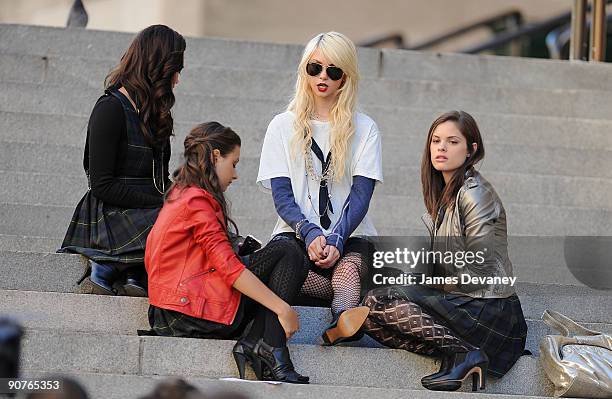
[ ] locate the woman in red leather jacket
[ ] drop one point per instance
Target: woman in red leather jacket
(196, 280)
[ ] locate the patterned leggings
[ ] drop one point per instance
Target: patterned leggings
(343, 287)
(398, 323)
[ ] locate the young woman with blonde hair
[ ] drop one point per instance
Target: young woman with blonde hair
(321, 159)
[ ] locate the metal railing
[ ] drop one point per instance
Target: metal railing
(509, 19)
(512, 19)
(510, 29)
(560, 41)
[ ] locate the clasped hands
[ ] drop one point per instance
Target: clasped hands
(322, 254)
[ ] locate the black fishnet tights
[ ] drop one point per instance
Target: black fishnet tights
(281, 266)
(344, 287)
(401, 324)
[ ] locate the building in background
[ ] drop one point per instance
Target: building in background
(281, 20)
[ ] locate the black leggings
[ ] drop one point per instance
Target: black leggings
(279, 267)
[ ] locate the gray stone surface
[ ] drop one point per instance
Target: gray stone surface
(32, 220)
(125, 315)
(388, 63)
(104, 353)
(56, 351)
(104, 45)
(59, 273)
(57, 188)
(40, 272)
(225, 82)
(18, 243)
(486, 70)
(405, 124)
(44, 157)
(52, 221)
(116, 386)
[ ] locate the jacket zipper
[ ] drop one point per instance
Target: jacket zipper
(198, 275)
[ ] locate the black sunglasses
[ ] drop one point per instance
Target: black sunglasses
(334, 73)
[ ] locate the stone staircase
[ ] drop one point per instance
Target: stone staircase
(548, 145)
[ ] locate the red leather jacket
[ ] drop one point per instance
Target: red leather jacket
(189, 260)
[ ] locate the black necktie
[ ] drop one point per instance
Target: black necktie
(323, 191)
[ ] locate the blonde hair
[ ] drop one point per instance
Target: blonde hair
(341, 52)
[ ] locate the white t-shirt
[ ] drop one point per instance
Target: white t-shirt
(278, 160)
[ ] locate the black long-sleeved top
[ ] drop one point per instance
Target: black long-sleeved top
(107, 150)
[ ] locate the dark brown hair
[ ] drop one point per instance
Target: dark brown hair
(146, 71)
(198, 167)
(436, 193)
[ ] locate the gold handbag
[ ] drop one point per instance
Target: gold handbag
(578, 362)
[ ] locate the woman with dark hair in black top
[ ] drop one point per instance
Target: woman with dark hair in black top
(126, 158)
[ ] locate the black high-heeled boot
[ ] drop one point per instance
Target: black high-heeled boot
(346, 326)
(278, 363)
(448, 361)
(101, 279)
(134, 282)
(474, 363)
(243, 353)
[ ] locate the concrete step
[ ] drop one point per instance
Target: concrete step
(120, 386)
(34, 157)
(81, 73)
(52, 188)
(52, 221)
(227, 82)
(185, 357)
(396, 125)
(386, 63)
(16, 243)
(535, 259)
(60, 272)
(252, 204)
(125, 315)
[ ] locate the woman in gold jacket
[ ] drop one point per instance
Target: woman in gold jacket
(473, 320)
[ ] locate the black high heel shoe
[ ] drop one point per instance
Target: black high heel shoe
(276, 364)
(448, 361)
(346, 326)
(243, 353)
(474, 363)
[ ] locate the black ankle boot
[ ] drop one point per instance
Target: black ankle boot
(243, 353)
(474, 363)
(101, 279)
(346, 326)
(277, 363)
(448, 361)
(134, 282)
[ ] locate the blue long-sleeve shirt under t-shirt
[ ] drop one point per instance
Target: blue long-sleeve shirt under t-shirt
(353, 211)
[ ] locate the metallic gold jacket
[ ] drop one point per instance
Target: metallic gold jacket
(477, 225)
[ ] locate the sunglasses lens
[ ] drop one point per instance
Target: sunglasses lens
(334, 73)
(313, 69)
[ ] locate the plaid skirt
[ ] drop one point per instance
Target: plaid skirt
(106, 233)
(496, 325)
(169, 323)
